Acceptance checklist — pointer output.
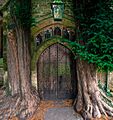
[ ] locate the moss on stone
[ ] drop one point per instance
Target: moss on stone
(44, 46)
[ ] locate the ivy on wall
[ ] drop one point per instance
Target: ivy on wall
(95, 39)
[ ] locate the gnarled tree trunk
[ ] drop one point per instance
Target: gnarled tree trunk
(18, 57)
(12, 59)
(23, 40)
(89, 101)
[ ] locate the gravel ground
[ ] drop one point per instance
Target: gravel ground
(66, 113)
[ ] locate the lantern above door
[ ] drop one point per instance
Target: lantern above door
(57, 9)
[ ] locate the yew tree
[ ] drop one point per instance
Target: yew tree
(94, 51)
(18, 54)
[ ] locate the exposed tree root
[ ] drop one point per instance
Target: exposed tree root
(89, 101)
(29, 105)
(105, 97)
(15, 106)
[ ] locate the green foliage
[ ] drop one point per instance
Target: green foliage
(1, 62)
(21, 10)
(95, 34)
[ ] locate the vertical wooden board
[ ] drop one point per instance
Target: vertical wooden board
(56, 73)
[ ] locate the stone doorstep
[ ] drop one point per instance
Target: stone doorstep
(64, 113)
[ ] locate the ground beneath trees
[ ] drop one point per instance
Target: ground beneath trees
(7, 106)
(65, 113)
(56, 110)
(47, 110)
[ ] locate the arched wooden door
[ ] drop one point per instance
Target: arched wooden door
(56, 73)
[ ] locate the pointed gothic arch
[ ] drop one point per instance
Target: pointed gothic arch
(56, 74)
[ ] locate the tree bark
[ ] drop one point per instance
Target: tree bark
(89, 102)
(18, 58)
(23, 38)
(12, 59)
(19, 65)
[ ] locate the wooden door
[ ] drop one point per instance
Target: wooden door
(56, 73)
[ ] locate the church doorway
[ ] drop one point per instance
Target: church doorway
(56, 73)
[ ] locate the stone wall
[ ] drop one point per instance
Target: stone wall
(1, 77)
(43, 18)
(1, 36)
(110, 81)
(42, 15)
(42, 8)
(103, 76)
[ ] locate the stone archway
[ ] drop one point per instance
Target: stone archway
(56, 74)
